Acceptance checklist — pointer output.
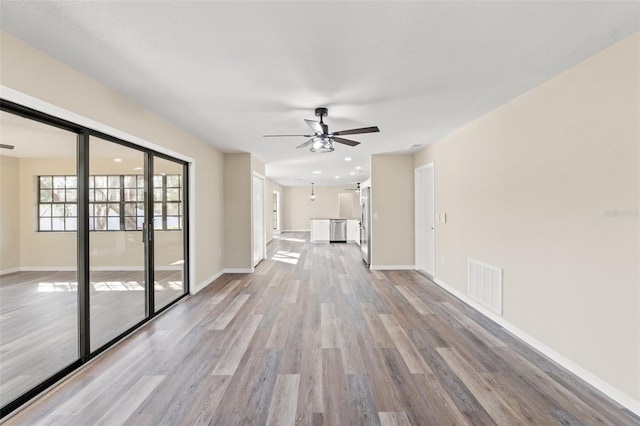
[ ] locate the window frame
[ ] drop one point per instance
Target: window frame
(122, 200)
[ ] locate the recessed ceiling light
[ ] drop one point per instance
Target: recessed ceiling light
(347, 158)
(137, 168)
(358, 167)
(118, 160)
(317, 172)
(352, 173)
(337, 177)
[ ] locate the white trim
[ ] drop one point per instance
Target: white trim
(205, 283)
(419, 205)
(262, 210)
(52, 269)
(238, 270)
(392, 267)
(579, 371)
(296, 230)
(9, 271)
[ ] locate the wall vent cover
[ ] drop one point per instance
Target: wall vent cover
(484, 285)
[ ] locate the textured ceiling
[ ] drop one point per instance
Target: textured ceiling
(230, 72)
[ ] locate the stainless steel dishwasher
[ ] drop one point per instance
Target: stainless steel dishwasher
(338, 231)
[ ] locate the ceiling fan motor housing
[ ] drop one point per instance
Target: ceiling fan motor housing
(321, 112)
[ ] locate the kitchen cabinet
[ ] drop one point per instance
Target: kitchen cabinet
(353, 231)
(320, 230)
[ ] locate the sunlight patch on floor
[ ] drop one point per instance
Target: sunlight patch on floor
(59, 286)
(286, 257)
(295, 240)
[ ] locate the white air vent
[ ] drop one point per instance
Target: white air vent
(485, 285)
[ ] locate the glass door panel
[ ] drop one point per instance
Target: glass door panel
(116, 243)
(38, 257)
(168, 231)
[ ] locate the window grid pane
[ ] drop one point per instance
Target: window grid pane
(116, 203)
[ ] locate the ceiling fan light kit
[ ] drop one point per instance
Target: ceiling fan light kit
(323, 140)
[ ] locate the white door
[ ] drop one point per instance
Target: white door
(425, 219)
(258, 219)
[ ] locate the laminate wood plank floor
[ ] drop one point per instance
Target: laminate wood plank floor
(313, 337)
(38, 319)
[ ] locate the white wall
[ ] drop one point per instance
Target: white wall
(547, 187)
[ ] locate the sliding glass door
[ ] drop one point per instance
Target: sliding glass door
(116, 239)
(168, 231)
(38, 258)
(94, 243)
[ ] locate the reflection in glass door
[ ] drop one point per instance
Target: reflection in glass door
(38, 255)
(116, 239)
(168, 231)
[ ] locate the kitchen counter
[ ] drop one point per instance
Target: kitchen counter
(320, 230)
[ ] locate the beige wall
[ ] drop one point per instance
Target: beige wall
(392, 194)
(531, 188)
(22, 68)
(9, 214)
(237, 211)
(298, 209)
(271, 186)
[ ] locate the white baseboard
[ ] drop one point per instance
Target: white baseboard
(392, 267)
(93, 268)
(9, 271)
(238, 271)
(296, 230)
(205, 283)
(579, 371)
(48, 269)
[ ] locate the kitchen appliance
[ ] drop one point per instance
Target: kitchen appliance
(338, 231)
(365, 225)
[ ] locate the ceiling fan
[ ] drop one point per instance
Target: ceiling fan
(322, 140)
(356, 189)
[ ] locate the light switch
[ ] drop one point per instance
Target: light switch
(437, 218)
(375, 216)
(443, 217)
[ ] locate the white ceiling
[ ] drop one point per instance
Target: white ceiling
(230, 72)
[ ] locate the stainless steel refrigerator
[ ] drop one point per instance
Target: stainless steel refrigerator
(365, 225)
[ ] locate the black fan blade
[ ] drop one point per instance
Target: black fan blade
(357, 131)
(281, 136)
(345, 141)
(316, 126)
(302, 145)
(5, 146)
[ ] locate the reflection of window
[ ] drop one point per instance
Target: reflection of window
(57, 203)
(116, 202)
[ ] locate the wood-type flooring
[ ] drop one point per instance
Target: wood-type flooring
(313, 337)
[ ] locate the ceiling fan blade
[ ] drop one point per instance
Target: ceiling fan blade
(281, 136)
(5, 146)
(316, 126)
(302, 145)
(372, 129)
(345, 141)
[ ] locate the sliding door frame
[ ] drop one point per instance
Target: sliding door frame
(83, 262)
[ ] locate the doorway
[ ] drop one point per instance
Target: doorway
(276, 212)
(259, 246)
(425, 219)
